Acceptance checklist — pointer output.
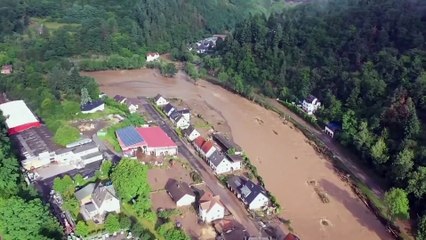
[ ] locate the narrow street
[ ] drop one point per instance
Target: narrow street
(230, 201)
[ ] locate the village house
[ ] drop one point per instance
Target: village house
(6, 69)
(179, 120)
(120, 99)
(133, 104)
(160, 100)
(227, 144)
(252, 195)
(180, 192)
(168, 109)
(152, 56)
(332, 128)
(191, 133)
(92, 107)
(96, 200)
(204, 147)
(310, 104)
(149, 140)
(222, 164)
(210, 208)
(186, 114)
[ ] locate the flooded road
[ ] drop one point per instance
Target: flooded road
(290, 167)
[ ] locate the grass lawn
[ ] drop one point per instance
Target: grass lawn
(52, 25)
(127, 209)
(95, 228)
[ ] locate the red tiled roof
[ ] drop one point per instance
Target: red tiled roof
(207, 146)
(291, 236)
(199, 141)
(156, 137)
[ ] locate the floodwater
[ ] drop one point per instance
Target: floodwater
(280, 152)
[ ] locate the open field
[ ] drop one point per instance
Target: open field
(158, 177)
(291, 169)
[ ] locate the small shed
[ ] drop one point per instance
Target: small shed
(332, 128)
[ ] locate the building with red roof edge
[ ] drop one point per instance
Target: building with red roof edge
(205, 147)
(18, 116)
(150, 140)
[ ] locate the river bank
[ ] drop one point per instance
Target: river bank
(283, 156)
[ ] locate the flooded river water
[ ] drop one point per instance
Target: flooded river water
(280, 152)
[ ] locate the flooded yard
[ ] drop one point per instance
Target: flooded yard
(280, 152)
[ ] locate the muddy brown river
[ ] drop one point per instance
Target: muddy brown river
(290, 167)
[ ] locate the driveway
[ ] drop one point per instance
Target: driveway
(230, 201)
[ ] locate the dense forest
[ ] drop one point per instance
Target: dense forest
(364, 60)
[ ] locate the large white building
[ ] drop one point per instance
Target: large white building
(310, 104)
(18, 116)
(152, 56)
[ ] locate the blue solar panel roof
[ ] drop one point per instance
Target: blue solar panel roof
(129, 136)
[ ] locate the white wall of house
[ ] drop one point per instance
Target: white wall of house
(187, 116)
(185, 200)
(36, 162)
(216, 212)
(161, 151)
(99, 108)
(235, 166)
(161, 101)
(87, 152)
(194, 134)
(93, 159)
(170, 112)
(259, 202)
(223, 167)
(310, 108)
(150, 58)
(209, 153)
(133, 108)
(182, 123)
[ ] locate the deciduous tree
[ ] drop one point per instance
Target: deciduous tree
(396, 202)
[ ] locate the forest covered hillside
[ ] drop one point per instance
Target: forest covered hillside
(364, 60)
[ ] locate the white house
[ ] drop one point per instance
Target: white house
(133, 105)
(96, 200)
(310, 104)
(252, 195)
(204, 147)
(160, 100)
(186, 114)
(168, 109)
(210, 208)
(219, 163)
(180, 192)
(191, 133)
(92, 107)
(152, 56)
(6, 69)
(179, 120)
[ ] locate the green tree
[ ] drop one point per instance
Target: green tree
(130, 179)
(349, 127)
(421, 228)
(106, 169)
(396, 202)
(417, 182)
(85, 97)
(79, 180)
(379, 151)
(64, 186)
(125, 222)
(81, 229)
(403, 164)
(111, 223)
(168, 69)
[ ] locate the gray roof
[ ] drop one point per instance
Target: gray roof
(63, 150)
(133, 101)
(216, 158)
(184, 111)
(189, 130)
(158, 97)
(85, 147)
(225, 142)
(168, 107)
(91, 105)
(102, 193)
(248, 190)
(35, 141)
(91, 155)
(90, 207)
(178, 189)
(235, 157)
(175, 115)
(310, 98)
(85, 191)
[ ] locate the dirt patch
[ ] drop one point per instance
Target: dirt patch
(279, 151)
(158, 177)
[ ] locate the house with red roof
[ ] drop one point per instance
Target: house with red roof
(152, 56)
(204, 147)
(149, 140)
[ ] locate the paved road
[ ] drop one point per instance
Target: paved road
(348, 159)
(230, 201)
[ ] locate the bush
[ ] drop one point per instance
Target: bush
(81, 229)
(66, 134)
(111, 223)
